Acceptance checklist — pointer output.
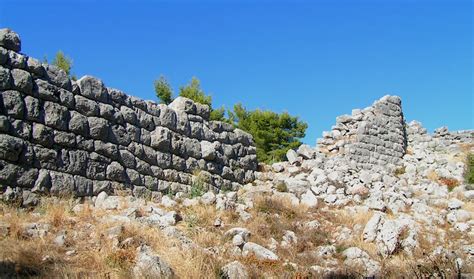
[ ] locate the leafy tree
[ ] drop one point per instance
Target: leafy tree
(194, 92)
(163, 90)
(274, 134)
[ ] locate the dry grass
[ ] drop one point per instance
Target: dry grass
(99, 256)
(450, 183)
(432, 175)
(96, 255)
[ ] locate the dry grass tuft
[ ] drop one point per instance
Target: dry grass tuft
(450, 183)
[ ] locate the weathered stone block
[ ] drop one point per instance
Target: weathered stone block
(10, 148)
(161, 139)
(79, 124)
(93, 88)
(56, 116)
(6, 80)
(62, 184)
(22, 81)
(116, 172)
(86, 106)
(13, 103)
(10, 40)
(58, 77)
(98, 128)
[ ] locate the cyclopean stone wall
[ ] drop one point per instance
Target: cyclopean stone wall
(66, 137)
(374, 136)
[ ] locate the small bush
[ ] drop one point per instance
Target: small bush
(121, 258)
(400, 171)
(281, 187)
(272, 206)
(469, 173)
(199, 184)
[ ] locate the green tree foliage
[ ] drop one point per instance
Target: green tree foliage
(194, 92)
(274, 134)
(63, 62)
(163, 90)
(218, 114)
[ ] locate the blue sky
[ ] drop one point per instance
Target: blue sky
(314, 59)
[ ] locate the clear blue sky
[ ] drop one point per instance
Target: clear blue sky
(314, 59)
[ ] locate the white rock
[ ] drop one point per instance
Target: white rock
(455, 204)
(278, 167)
(150, 265)
(237, 240)
(234, 270)
(335, 176)
(208, 198)
(243, 232)
(462, 227)
(309, 199)
(260, 252)
(469, 194)
(292, 156)
(289, 239)
(60, 240)
(388, 237)
(457, 216)
(330, 199)
(355, 257)
(370, 230)
(306, 151)
(311, 225)
(107, 202)
(190, 202)
(326, 251)
(167, 202)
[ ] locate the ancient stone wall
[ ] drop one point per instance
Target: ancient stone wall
(63, 136)
(374, 136)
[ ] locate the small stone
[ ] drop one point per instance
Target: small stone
(454, 204)
(218, 222)
(237, 240)
(243, 232)
(60, 240)
(70, 253)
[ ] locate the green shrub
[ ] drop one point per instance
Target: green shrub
(281, 187)
(469, 174)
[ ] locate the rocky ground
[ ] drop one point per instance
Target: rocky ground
(311, 217)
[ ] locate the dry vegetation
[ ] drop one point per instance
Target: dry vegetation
(90, 253)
